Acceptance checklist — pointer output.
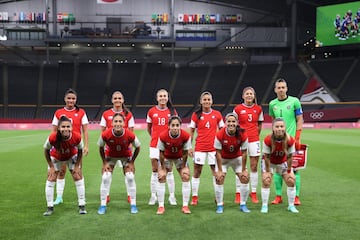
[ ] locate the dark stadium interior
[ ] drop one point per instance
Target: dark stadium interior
(34, 78)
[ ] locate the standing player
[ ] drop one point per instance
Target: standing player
(337, 25)
(117, 140)
(173, 145)
(207, 121)
(288, 108)
(278, 150)
(117, 100)
(80, 123)
(64, 147)
(157, 121)
(250, 116)
(231, 145)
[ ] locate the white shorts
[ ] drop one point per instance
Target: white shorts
(154, 153)
(200, 158)
(275, 168)
(178, 163)
(254, 149)
(234, 163)
(70, 163)
(122, 162)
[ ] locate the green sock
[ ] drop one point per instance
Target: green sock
(278, 184)
(297, 183)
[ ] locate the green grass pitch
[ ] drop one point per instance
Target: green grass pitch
(329, 195)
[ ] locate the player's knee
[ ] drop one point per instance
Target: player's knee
(219, 181)
(162, 179)
(61, 173)
(244, 178)
(76, 176)
(185, 174)
(52, 177)
(290, 180)
(266, 180)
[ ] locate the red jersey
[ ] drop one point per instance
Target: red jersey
(118, 146)
(278, 156)
(230, 146)
(67, 149)
(207, 126)
(173, 147)
(107, 116)
(249, 116)
(77, 116)
(159, 119)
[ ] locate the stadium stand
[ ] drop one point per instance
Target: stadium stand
(294, 77)
(349, 91)
(92, 77)
(258, 76)
(1, 85)
(23, 87)
(188, 81)
(222, 81)
(125, 78)
(332, 71)
(156, 76)
(36, 91)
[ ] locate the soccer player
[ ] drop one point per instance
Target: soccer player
(207, 121)
(289, 108)
(64, 147)
(278, 150)
(173, 145)
(117, 100)
(344, 28)
(117, 140)
(337, 25)
(250, 116)
(157, 119)
(231, 145)
(80, 123)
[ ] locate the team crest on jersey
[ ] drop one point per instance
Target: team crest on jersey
(213, 117)
(288, 107)
(201, 118)
(274, 108)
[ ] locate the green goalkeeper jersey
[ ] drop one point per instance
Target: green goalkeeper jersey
(287, 109)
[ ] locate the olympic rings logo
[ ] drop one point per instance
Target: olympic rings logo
(317, 115)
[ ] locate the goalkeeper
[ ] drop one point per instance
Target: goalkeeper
(289, 109)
